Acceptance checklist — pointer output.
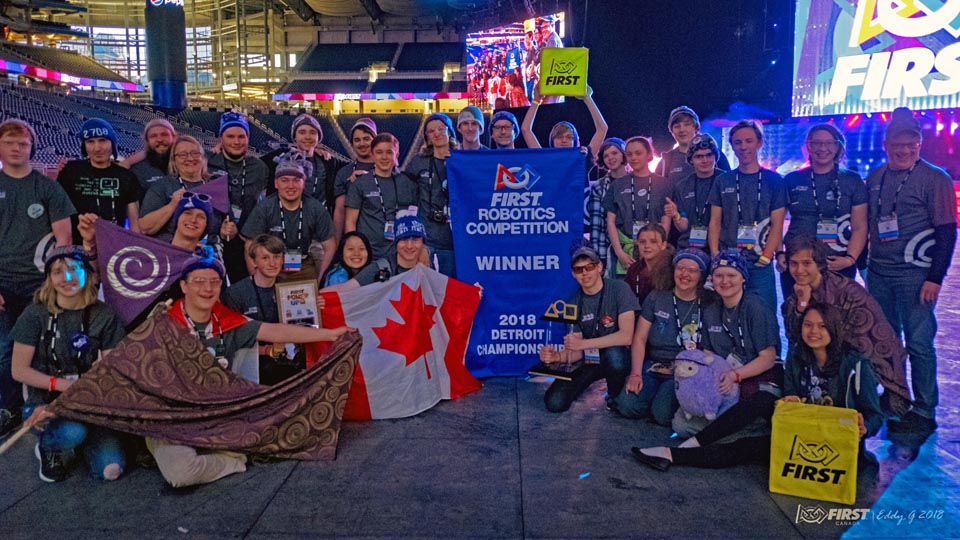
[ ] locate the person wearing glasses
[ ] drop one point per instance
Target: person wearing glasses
(692, 194)
(606, 312)
(232, 339)
(374, 199)
(188, 170)
(504, 130)
(747, 208)
(671, 321)
(634, 201)
(246, 182)
(827, 202)
(34, 215)
(428, 171)
(302, 223)
(56, 340)
(913, 231)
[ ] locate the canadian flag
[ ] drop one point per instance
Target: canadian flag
(415, 330)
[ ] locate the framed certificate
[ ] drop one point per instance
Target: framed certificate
(297, 303)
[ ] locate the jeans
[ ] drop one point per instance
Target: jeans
(100, 446)
(11, 392)
(899, 297)
(657, 398)
(446, 262)
(614, 366)
(763, 284)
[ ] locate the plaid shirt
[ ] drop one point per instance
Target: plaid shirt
(599, 239)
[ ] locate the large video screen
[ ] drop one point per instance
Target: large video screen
(503, 63)
(853, 56)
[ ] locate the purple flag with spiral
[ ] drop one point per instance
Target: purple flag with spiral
(135, 269)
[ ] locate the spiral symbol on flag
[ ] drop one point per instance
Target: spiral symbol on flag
(916, 251)
(843, 234)
(119, 267)
(763, 232)
(44, 246)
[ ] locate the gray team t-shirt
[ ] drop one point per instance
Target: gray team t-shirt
(160, 193)
(927, 200)
(600, 313)
(745, 329)
(378, 199)
(246, 182)
(147, 175)
(658, 309)
(636, 199)
(250, 300)
(692, 197)
(315, 223)
(760, 193)
(430, 178)
(342, 179)
(29, 206)
(837, 192)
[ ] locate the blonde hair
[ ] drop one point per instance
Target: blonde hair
(204, 173)
(47, 293)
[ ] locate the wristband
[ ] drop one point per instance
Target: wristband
(764, 259)
(768, 254)
(737, 375)
(53, 384)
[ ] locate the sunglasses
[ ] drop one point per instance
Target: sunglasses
(583, 269)
(202, 197)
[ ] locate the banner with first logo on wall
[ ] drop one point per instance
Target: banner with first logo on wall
(515, 215)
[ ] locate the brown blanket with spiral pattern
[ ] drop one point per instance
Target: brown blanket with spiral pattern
(159, 382)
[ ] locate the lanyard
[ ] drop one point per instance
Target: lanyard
(896, 195)
(221, 349)
(283, 224)
(383, 204)
(835, 188)
(756, 213)
(633, 194)
(261, 313)
(184, 186)
(740, 343)
(53, 332)
(703, 218)
(243, 175)
(596, 316)
(434, 173)
(676, 315)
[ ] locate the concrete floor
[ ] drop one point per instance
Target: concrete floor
(495, 464)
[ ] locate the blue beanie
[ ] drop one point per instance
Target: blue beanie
(410, 227)
(233, 119)
(506, 115)
(442, 118)
(197, 202)
(731, 258)
(204, 258)
(97, 127)
(696, 255)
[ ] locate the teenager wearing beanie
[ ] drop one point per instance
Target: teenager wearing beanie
(470, 128)
(428, 170)
(307, 136)
(684, 125)
(913, 231)
(153, 163)
(564, 134)
(361, 143)
(97, 184)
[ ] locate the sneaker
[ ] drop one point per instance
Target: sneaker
(8, 421)
(54, 466)
(912, 423)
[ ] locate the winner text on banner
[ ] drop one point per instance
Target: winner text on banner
(516, 214)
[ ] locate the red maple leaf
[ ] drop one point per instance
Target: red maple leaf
(411, 338)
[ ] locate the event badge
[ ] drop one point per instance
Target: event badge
(734, 360)
(698, 237)
(592, 355)
(637, 225)
(80, 342)
(388, 233)
(235, 211)
(292, 261)
(888, 228)
(827, 231)
(747, 236)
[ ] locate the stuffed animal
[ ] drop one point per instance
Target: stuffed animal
(696, 376)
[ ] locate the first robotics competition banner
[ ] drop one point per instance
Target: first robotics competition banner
(864, 56)
(515, 215)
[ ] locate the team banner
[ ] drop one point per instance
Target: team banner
(516, 214)
(563, 72)
(873, 56)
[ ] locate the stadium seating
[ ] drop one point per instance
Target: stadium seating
(346, 57)
(393, 86)
(209, 121)
(316, 86)
(429, 56)
(59, 60)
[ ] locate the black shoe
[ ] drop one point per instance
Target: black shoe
(8, 421)
(912, 423)
(54, 466)
(658, 463)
